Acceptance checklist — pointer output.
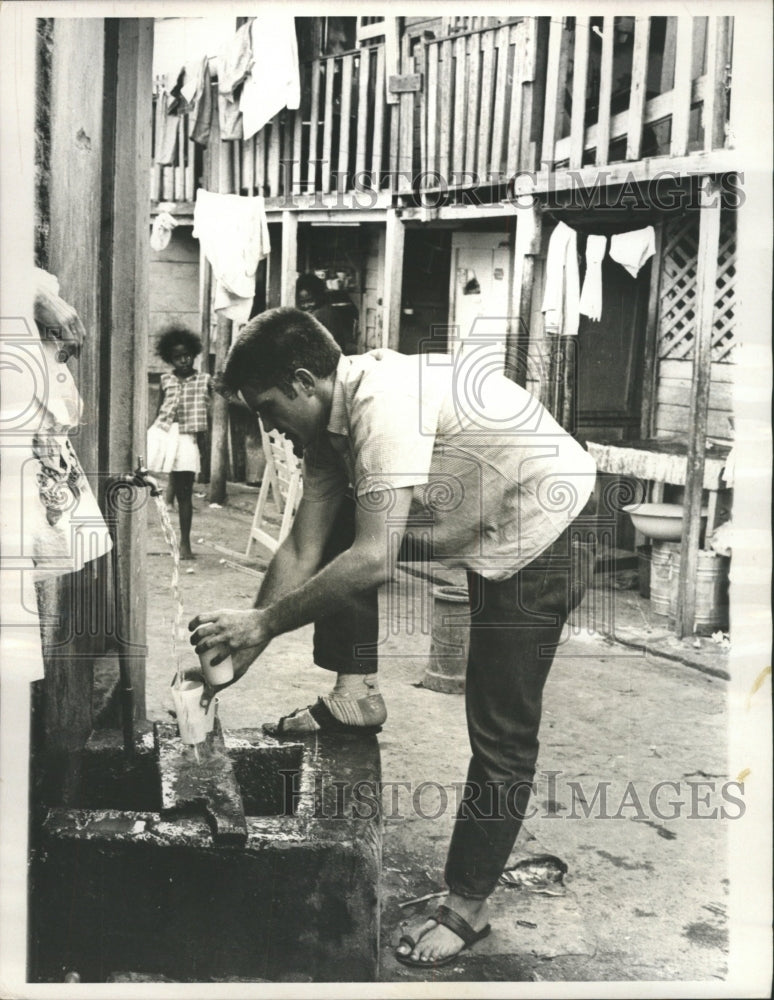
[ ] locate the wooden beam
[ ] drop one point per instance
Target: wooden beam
(395, 235)
(706, 268)
(681, 93)
(579, 77)
(650, 362)
(639, 84)
(527, 245)
(221, 181)
(289, 266)
(126, 321)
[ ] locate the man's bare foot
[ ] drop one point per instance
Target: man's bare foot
(434, 941)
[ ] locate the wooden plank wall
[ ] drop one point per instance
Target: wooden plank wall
(673, 393)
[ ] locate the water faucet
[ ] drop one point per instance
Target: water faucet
(142, 479)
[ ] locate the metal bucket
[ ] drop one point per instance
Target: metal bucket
(450, 641)
(711, 587)
(662, 575)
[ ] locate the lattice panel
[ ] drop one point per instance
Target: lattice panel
(677, 298)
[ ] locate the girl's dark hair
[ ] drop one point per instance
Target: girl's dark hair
(274, 345)
(314, 286)
(172, 336)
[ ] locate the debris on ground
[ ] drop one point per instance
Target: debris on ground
(543, 873)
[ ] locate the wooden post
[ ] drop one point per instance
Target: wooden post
(579, 75)
(650, 366)
(395, 235)
(638, 88)
(289, 265)
(706, 269)
(528, 236)
(605, 90)
(125, 322)
(220, 180)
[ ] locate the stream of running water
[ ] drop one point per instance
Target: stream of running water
(174, 548)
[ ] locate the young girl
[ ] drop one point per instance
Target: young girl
(182, 413)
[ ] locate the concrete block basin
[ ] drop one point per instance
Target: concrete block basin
(120, 886)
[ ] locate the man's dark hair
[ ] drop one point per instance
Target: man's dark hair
(315, 286)
(273, 346)
(173, 336)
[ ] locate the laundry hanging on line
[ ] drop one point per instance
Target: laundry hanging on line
(591, 294)
(561, 294)
(633, 249)
(233, 233)
(273, 81)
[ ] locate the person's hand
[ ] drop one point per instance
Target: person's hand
(233, 629)
(59, 320)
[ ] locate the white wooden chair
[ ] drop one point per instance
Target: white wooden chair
(282, 484)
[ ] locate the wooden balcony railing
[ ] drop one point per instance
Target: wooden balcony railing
(627, 88)
(476, 107)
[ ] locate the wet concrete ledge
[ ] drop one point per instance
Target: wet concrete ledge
(130, 888)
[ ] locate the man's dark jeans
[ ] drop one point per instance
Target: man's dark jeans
(516, 625)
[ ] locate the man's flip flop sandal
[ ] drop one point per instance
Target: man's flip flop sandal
(324, 718)
(443, 915)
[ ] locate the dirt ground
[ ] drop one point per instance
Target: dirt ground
(645, 894)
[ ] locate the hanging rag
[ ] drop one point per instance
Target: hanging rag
(233, 233)
(161, 231)
(561, 294)
(197, 91)
(168, 106)
(634, 248)
(591, 295)
(273, 81)
(233, 62)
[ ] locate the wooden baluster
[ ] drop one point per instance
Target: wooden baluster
(528, 152)
(461, 101)
(274, 159)
(638, 87)
(681, 93)
(554, 93)
(314, 114)
(518, 38)
(444, 112)
(485, 114)
(330, 66)
(362, 115)
(248, 165)
(579, 77)
(430, 166)
(346, 106)
(605, 91)
(501, 87)
(714, 110)
(295, 173)
(379, 105)
(406, 133)
(472, 89)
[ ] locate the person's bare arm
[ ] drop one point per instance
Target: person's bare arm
(287, 602)
(294, 562)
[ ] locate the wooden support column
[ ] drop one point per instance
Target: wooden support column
(528, 236)
(220, 180)
(395, 235)
(650, 366)
(289, 265)
(129, 48)
(706, 270)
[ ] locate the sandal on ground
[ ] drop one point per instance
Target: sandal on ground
(324, 718)
(443, 915)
